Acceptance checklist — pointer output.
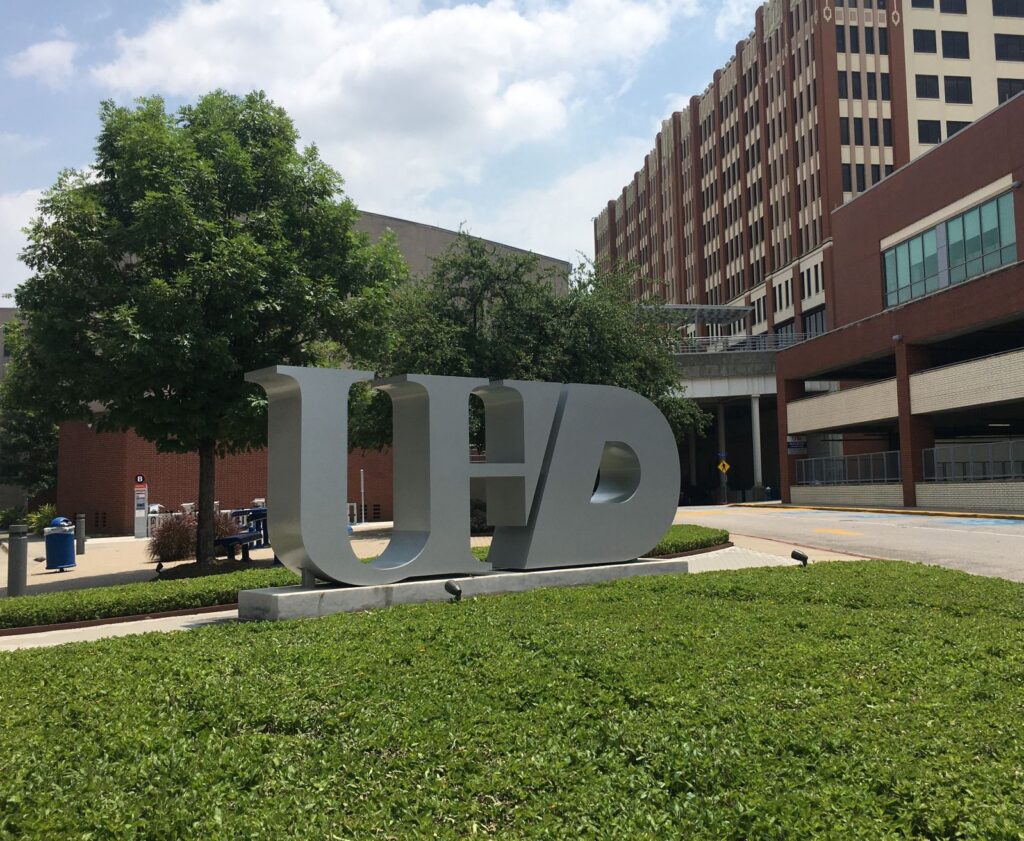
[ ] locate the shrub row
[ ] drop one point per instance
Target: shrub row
(686, 538)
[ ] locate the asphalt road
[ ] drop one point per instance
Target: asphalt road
(979, 546)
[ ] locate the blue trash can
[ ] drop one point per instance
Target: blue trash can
(60, 544)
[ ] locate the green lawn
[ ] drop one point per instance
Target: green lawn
(847, 701)
(156, 596)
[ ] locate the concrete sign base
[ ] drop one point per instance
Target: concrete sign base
(274, 603)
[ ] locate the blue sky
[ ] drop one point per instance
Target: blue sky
(516, 119)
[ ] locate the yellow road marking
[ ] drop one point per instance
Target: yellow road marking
(838, 531)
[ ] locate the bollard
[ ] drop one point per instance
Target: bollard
(80, 534)
(17, 561)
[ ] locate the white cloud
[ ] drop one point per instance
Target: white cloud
(403, 100)
(50, 62)
(16, 209)
(557, 220)
(735, 19)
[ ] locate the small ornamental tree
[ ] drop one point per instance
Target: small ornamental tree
(200, 244)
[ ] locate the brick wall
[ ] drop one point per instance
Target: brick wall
(96, 476)
(972, 496)
(843, 408)
(993, 379)
(888, 496)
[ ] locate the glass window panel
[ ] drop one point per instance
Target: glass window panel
(1007, 228)
(955, 238)
(974, 267)
(991, 261)
(931, 254)
(931, 284)
(957, 274)
(917, 290)
(890, 270)
(972, 233)
(989, 227)
(903, 266)
(1009, 254)
(916, 260)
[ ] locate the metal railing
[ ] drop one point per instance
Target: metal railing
(728, 344)
(990, 461)
(867, 469)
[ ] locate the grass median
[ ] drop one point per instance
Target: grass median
(858, 700)
(218, 589)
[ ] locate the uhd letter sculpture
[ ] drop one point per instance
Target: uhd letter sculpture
(575, 474)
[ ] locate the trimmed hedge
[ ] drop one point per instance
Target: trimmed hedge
(863, 700)
(134, 599)
(686, 538)
(156, 596)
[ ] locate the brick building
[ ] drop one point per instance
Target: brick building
(730, 215)
(96, 471)
(926, 361)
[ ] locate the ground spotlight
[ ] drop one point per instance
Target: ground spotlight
(799, 556)
(453, 589)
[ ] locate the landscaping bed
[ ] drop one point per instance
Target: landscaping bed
(857, 700)
(180, 590)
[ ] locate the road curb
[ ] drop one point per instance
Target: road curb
(115, 620)
(973, 515)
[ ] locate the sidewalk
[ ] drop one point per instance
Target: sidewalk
(924, 512)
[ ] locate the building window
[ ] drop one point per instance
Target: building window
(814, 322)
(847, 179)
(787, 329)
(982, 239)
(872, 86)
(927, 86)
(953, 126)
(924, 40)
(854, 39)
(844, 131)
(855, 82)
(876, 173)
(841, 85)
(953, 7)
(956, 45)
(922, 4)
(869, 39)
(886, 90)
(929, 131)
(840, 39)
(1008, 8)
(858, 131)
(873, 132)
(966, 246)
(861, 186)
(958, 89)
(883, 41)
(1009, 47)
(887, 131)
(1009, 88)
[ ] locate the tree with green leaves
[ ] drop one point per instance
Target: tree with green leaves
(200, 244)
(488, 313)
(28, 428)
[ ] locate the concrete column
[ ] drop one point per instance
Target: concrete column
(755, 434)
(17, 560)
(693, 458)
(916, 433)
(787, 390)
(723, 478)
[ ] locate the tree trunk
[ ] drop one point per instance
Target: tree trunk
(204, 526)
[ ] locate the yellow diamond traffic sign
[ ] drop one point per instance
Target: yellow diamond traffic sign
(723, 465)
